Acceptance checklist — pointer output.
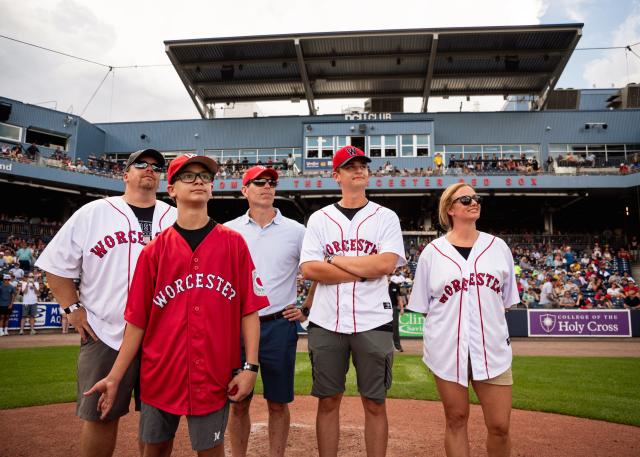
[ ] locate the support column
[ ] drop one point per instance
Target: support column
(548, 223)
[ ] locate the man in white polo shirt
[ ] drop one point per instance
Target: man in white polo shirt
(274, 243)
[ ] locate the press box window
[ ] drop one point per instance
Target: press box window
(422, 145)
(312, 147)
(10, 132)
(47, 139)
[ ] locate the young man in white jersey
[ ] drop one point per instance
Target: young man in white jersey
(349, 249)
(100, 244)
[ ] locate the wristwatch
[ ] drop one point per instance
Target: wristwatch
(71, 308)
(250, 367)
(305, 311)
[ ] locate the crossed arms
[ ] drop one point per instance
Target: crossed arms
(349, 269)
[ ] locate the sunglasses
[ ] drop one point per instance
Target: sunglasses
(467, 199)
(190, 177)
(142, 165)
(264, 182)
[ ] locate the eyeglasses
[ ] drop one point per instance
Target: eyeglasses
(467, 199)
(264, 182)
(190, 177)
(142, 165)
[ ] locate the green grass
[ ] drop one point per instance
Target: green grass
(592, 387)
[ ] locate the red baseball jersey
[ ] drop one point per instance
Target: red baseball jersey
(191, 304)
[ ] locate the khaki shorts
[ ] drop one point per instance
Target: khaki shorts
(503, 379)
(205, 432)
(94, 363)
(372, 354)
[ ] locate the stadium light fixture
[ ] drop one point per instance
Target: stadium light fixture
(596, 125)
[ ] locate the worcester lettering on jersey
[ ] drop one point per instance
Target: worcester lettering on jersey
(482, 279)
(107, 243)
(194, 281)
(353, 244)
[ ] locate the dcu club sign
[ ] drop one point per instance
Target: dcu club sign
(553, 322)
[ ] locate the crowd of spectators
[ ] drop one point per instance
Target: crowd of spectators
(558, 276)
(586, 161)
(449, 165)
(549, 275)
(17, 257)
(598, 276)
(233, 169)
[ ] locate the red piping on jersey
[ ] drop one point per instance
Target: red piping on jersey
(459, 313)
(337, 285)
(475, 270)
(353, 298)
(162, 217)
(129, 256)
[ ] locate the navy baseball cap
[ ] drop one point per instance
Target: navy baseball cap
(346, 154)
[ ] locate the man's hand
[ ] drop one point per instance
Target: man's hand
(78, 319)
(241, 385)
(109, 389)
(293, 313)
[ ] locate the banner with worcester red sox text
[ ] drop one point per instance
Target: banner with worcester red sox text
(579, 322)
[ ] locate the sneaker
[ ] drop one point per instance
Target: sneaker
(33, 332)
(2, 332)
(21, 332)
(399, 349)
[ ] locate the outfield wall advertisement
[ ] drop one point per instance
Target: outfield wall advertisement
(575, 323)
(551, 323)
(48, 316)
(410, 325)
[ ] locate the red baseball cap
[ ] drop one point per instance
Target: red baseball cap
(253, 172)
(347, 153)
(182, 161)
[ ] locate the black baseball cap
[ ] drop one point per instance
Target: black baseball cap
(145, 152)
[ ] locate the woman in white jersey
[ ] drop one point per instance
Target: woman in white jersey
(463, 283)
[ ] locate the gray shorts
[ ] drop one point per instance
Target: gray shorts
(29, 310)
(372, 354)
(205, 432)
(94, 363)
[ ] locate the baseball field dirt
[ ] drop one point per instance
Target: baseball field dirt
(416, 427)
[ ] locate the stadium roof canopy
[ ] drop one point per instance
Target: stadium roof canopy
(511, 60)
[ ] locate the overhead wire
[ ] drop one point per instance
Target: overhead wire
(97, 89)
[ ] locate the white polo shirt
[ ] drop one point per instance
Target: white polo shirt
(275, 250)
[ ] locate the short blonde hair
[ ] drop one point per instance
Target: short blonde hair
(446, 202)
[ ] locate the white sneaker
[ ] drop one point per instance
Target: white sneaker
(21, 332)
(33, 332)
(2, 332)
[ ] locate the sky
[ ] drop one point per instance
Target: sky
(132, 33)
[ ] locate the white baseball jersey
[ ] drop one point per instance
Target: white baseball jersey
(275, 250)
(100, 244)
(355, 306)
(464, 301)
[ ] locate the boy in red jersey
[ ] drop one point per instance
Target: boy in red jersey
(194, 290)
